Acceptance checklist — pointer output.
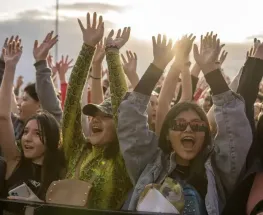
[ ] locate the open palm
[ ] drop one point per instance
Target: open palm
(121, 39)
(93, 33)
(12, 53)
(210, 51)
(41, 52)
(100, 52)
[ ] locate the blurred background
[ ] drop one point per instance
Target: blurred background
(236, 22)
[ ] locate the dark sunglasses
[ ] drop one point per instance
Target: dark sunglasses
(181, 125)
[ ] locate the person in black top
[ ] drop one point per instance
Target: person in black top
(38, 162)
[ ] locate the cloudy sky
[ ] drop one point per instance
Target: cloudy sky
(235, 21)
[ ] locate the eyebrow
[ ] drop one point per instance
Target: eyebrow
(26, 128)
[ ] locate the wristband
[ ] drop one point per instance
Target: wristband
(111, 47)
(94, 77)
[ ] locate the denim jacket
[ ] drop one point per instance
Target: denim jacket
(144, 159)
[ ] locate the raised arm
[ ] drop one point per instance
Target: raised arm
(249, 81)
(166, 96)
(7, 137)
(44, 84)
(118, 86)
(180, 65)
(137, 143)
(62, 67)
(96, 74)
(71, 128)
(129, 67)
(234, 135)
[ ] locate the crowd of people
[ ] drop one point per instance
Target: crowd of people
(187, 142)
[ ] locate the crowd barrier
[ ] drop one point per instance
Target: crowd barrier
(51, 209)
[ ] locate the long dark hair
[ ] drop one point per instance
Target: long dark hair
(197, 175)
(53, 163)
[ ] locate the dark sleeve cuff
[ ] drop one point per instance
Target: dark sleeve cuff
(148, 81)
(41, 62)
(216, 82)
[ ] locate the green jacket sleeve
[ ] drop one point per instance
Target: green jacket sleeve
(73, 137)
(118, 86)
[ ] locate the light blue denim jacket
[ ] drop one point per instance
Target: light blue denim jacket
(144, 159)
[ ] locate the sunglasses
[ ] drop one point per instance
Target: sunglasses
(181, 125)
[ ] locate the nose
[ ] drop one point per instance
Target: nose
(27, 137)
(188, 129)
(95, 119)
(19, 101)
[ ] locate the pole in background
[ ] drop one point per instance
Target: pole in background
(57, 29)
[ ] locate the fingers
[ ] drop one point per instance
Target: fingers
(130, 57)
(159, 39)
(196, 53)
(100, 21)
(81, 25)
(164, 40)
(5, 43)
(135, 56)
(118, 33)
(110, 34)
(88, 20)
(123, 59)
(154, 41)
(126, 33)
(170, 43)
(53, 41)
(66, 60)
(94, 21)
(70, 62)
(10, 40)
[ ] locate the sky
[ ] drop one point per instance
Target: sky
(236, 22)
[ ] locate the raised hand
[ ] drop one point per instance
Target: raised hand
(53, 67)
(41, 52)
(222, 57)
(163, 52)
(129, 65)
(12, 53)
(93, 33)
(183, 48)
(99, 53)
(258, 49)
(63, 66)
(8, 41)
(19, 81)
(207, 58)
(120, 40)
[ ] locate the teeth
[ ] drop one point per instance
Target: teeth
(188, 138)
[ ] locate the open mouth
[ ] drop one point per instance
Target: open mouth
(27, 147)
(96, 129)
(188, 142)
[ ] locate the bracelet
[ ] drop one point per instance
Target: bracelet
(94, 77)
(111, 47)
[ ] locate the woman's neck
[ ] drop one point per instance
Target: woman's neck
(181, 161)
(38, 161)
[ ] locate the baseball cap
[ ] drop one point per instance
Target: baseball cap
(104, 107)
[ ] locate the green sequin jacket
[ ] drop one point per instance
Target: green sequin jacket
(111, 181)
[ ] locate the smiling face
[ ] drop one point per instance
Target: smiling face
(32, 145)
(102, 129)
(187, 136)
